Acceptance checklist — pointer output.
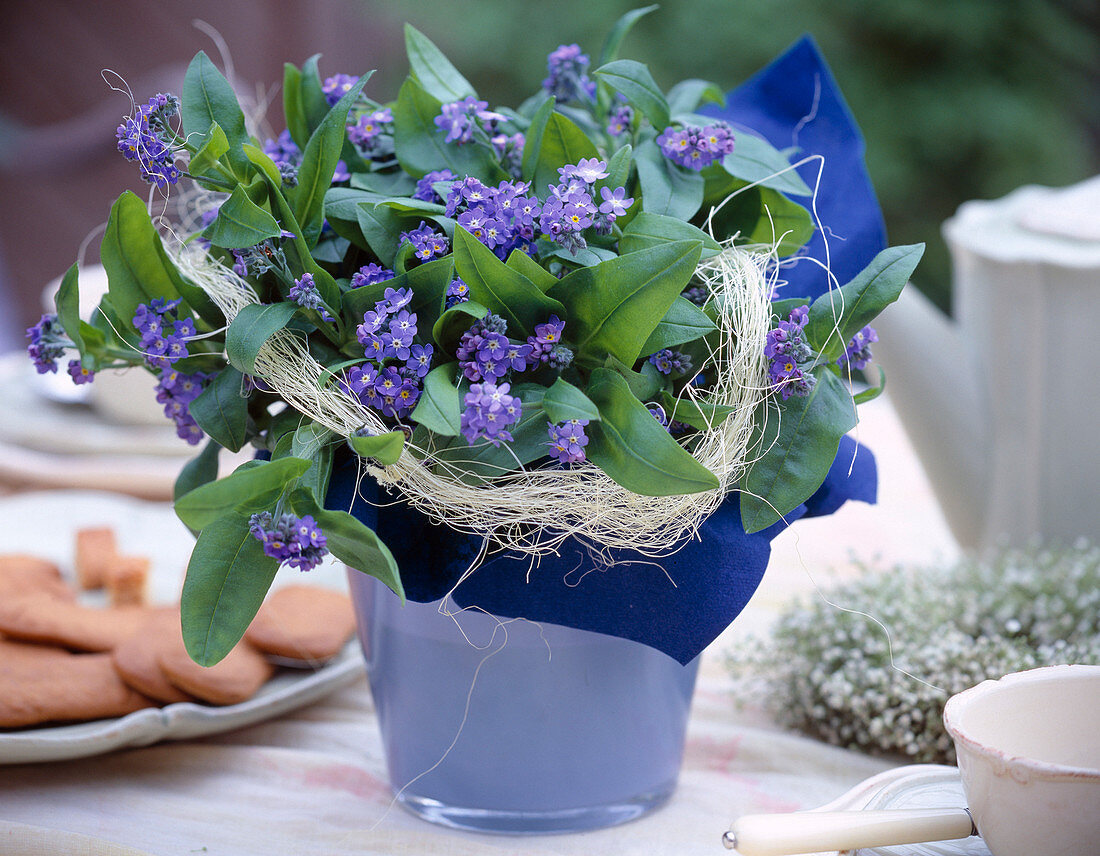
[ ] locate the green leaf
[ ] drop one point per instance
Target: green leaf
(381, 227)
(384, 448)
(698, 414)
(562, 142)
(633, 80)
(200, 470)
(667, 188)
(137, 265)
(432, 70)
(684, 322)
(634, 449)
(318, 163)
(563, 402)
(385, 184)
(227, 579)
(535, 131)
(207, 156)
(755, 160)
(221, 409)
(686, 95)
(764, 216)
(519, 261)
(419, 142)
(293, 109)
(258, 157)
(313, 442)
(799, 439)
(504, 290)
(618, 170)
(314, 101)
(241, 223)
(872, 392)
(250, 330)
(619, 29)
(644, 384)
(649, 229)
(67, 304)
(615, 306)
(208, 99)
(250, 488)
(450, 326)
(440, 405)
(836, 316)
(584, 257)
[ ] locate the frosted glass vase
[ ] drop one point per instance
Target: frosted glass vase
(513, 727)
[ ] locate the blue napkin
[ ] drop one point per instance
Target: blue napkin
(774, 103)
(681, 604)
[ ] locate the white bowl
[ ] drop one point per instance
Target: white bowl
(1029, 754)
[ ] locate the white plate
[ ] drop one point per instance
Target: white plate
(913, 786)
(44, 524)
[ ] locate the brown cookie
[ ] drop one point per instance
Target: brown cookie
(127, 581)
(95, 553)
(22, 574)
(42, 618)
(303, 623)
(56, 686)
(231, 681)
(136, 659)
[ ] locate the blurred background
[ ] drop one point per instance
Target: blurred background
(958, 99)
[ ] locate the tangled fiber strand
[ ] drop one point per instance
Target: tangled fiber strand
(582, 502)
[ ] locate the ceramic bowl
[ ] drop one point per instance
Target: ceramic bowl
(1029, 753)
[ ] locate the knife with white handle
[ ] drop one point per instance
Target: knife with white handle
(816, 831)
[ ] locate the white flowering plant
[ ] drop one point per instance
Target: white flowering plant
(837, 675)
(477, 302)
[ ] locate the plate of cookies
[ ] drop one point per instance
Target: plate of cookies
(91, 654)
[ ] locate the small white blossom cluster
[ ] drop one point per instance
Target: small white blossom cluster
(828, 673)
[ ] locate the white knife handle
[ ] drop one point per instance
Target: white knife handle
(815, 831)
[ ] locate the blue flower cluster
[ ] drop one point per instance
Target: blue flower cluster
(304, 293)
(568, 79)
(571, 209)
(139, 139)
(46, 343)
(567, 441)
(462, 119)
(337, 86)
(372, 134)
(668, 361)
(620, 118)
(857, 353)
(486, 353)
(457, 292)
(370, 274)
(162, 349)
(789, 355)
(696, 147)
(424, 189)
(501, 217)
(390, 382)
(489, 411)
(290, 540)
(426, 242)
(79, 374)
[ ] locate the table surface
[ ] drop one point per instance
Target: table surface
(313, 781)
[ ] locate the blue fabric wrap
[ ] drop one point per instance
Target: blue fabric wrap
(774, 103)
(682, 603)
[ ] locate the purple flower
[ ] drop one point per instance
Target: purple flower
(568, 75)
(79, 374)
(424, 189)
(394, 299)
(567, 441)
(337, 86)
(546, 337)
(696, 147)
(489, 410)
(402, 331)
(458, 119)
(291, 540)
(588, 170)
(789, 354)
(669, 362)
(370, 274)
(658, 413)
(304, 293)
(457, 292)
(283, 151)
(614, 205)
(427, 244)
(858, 351)
(176, 392)
(139, 140)
(366, 133)
(45, 346)
(620, 120)
(419, 362)
(361, 380)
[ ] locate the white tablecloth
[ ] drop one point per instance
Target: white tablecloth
(313, 781)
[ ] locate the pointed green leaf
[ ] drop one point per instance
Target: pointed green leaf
(221, 409)
(200, 470)
(440, 405)
(518, 260)
(634, 449)
(856, 304)
(562, 142)
(252, 488)
(258, 157)
(698, 414)
(293, 109)
(433, 70)
(454, 322)
(215, 146)
(684, 322)
(563, 402)
(686, 95)
(648, 229)
(633, 80)
(314, 101)
(227, 579)
(535, 130)
(754, 159)
(67, 304)
(241, 223)
(381, 228)
(250, 330)
(384, 448)
(319, 159)
(798, 439)
(667, 188)
(504, 290)
(208, 99)
(615, 306)
(619, 29)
